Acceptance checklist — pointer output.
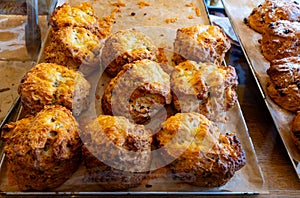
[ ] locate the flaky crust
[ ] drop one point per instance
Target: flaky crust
(206, 88)
(74, 47)
(48, 84)
(271, 11)
(284, 83)
(116, 152)
(76, 16)
(203, 155)
(281, 40)
(126, 46)
(43, 151)
(200, 43)
(138, 92)
(295, 130)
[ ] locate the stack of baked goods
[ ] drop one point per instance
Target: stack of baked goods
(279, 23)
(116, 146)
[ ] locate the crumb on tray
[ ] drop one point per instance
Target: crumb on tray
(171, 20)
(189, 4)
(120, 3)
(142, 4)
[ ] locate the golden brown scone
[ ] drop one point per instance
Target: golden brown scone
(138, 92)
(271, 11)
(283, 85)
(206, 88)
(281, 40)
(116, 152)
(74, 47)
(203, 155)
(42, 151)
(200, 43)
(295, 130)
(126, 46)
(76, 16)
(48, 84)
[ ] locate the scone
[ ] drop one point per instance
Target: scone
(42, 151)
(200, 43)
(74, 47)
(272, 11)
(75, 16)
(126, 46)
(206, 88)
(281, 40)
(48, 84)
(283, 85)
(203, 155)
(295, 130)
(116, 152)
(138, 92)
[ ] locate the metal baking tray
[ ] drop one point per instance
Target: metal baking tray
(248, 180)
(237, 11)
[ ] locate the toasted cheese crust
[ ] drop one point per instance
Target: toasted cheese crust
(138, 92)
(75, 16)
(283, 85)
(126, 46)
(43, 151)
(204, 87)
(281, 40)
(200, 43)
(116, 152)
(203, 155)
(272, 11)
(48, 84)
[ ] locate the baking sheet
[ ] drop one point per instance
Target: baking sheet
(248, 180)
(237, 10)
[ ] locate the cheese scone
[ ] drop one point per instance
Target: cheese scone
(272, 11)
(126, 46)
(201, 43)
(202, 154)
(207, 88)
(116, 152)
(44, 150)
(138, 92)
(49, 84)
(283, 85)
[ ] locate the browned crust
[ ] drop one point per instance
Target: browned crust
(295, 130)
(43, 151)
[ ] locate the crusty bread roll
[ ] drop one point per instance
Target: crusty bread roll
(42, 151)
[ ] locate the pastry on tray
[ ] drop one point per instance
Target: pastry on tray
(295, 130)
(281, 40)
(74, 47)
(42, 151)
(75, 16)
(202, 154)
(126, 46)
(49, 83)
(116, 152)
(272, 11)
(207, 88)
(201, 43)
(138, 92)
(283, 86)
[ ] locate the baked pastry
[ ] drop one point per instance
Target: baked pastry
(283, 85)
(75, 16)
(48, 84)
(295, 130)
(281, 40)
(202, 154)
(116, 152)
(126, 46)
(272, 11)
(42, 151)
(74, 47)
(138, 92)
(206, 88)
(200, 43)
